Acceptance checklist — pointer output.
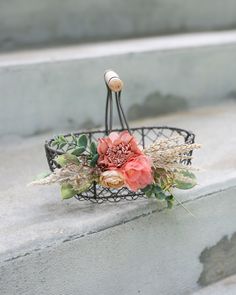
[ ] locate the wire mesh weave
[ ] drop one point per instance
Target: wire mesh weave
(144, 135)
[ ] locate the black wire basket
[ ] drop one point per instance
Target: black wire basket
(144, 135)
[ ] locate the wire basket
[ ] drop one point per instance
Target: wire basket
(144, 135)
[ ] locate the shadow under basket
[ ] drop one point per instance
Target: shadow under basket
(144, 135)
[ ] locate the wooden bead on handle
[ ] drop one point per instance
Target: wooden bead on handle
(113, 81)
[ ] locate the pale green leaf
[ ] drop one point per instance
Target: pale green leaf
(66, 159)
(186, 180)
(67, 191)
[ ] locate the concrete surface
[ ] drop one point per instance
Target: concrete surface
(54, 247)
(61, 88)
(224, 287)
(51, 22)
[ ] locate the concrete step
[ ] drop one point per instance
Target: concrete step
(53, 247)
(224, 287)
(49, 90)
(51, 22)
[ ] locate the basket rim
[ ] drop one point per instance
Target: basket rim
(92, 131)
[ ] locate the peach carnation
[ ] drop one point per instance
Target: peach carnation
(116, 149)
(112, 179)
(138, 173)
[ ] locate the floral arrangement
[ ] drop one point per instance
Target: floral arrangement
(117, 161)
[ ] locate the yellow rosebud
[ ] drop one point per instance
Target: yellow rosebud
(112, 179)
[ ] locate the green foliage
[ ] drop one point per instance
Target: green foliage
(74, 138)
(93, 154)
(93, 148)
(148, 190)
(80, 144)
(82, 141)
(66, 159)
(78, 151)
(77, 146)
(60, 141)
(170, 201)
(84, 186)
(187, 180)
(164, 181)
(67, 191)
(93, 161)
(154, 190)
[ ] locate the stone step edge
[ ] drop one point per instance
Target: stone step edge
(141, 208)
(118, 47)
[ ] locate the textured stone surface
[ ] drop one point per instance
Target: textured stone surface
(218, 261)
(154, 254)
(62, 88)
(38, 23)
(54, 247)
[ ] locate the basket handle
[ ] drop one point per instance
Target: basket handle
(113, 81)
(114, 84)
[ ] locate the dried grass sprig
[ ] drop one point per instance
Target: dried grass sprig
(168, 153)
(76, 175)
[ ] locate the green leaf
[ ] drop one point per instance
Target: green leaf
(170, 204)
(83, 141)
(78, 151)
(157, 188)
(84, 187)
(187, 183)
(42, 175)
(93, 148)
(183, 185)
(149, 194)
(189, 174)
(60, 141)
(147, 188)
(170, 201)
(55, 142)
(74, 138)
(62, 138)
(158, 192)
(93, 162)
(67, 191)
(62, 144)
(160, 195)
(66, 159)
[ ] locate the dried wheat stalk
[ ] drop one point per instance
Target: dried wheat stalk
(76, 175)
(168, 153)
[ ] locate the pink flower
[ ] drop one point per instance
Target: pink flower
(116, 149)
(138, 173)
